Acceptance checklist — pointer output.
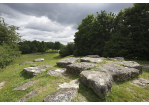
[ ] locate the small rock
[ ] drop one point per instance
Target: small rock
(71, 84)
(38, 60)
(2, 84)
(62, 95)
(26, 62)
(57, 72)
(67, 61)
(94, 60)
(93, 56)
(100, 82)
(141, 82)
(33, 65)
(76, 68)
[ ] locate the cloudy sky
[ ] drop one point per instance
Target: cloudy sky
(52, 22)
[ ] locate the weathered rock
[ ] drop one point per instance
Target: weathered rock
(76, 68)
(62, 95)
(94, 60)
(119, 58)
(118, 72)
(71, 84)
(25, 86)
(26, 62)
(100, 82)
(145, 67)
(31, 94)
(93, 56)
(38, 60)
(33, 65)
(33, 71)
(57, 72)
(141, 82)
(67, 61)
(2, 84)
(132, 64)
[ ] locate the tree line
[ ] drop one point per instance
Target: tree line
(109, 35)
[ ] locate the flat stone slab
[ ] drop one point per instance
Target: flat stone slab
(26, 62)
(25, 86)
(76, 68)
(62, 95)
(93, 56)
(34, 65)
(117, 58)
(57, 72)
(2, 84)
(132, 64)
(100, 82)
(94, 60)
(145, 67)
(30, 94)
(71, 84)
(33, 71)
(38, 60)
(118, 72)
(67, 61)
(141, 82)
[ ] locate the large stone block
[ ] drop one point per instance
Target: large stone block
(76, 68)
(141, 82)
(132, 64)
(94, 60)
(93, 56)
(100, 82)
(33, 71)
(118, 72)
(67, 61)
(62, 95)
(38, 60)
(57, 72)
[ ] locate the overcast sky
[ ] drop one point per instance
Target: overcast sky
(52, 22)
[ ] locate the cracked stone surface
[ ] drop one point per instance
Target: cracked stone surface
(93, 56)
(94, 60)
(26, 62)
(76, 68)
(67, 61)
(26, 85)
(141, 82)
(131, 64)
(145, 67)
(30, 94)
(38, 60)
(33, 71)
(2, 84)
(71, 84)
(118, 72)
(100, 82)
(117, 58)
(62, 95)
(57, 72)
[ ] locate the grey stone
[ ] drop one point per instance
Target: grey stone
(100, 82)
(33, 71)
(71, 84)
(94, 60)
(30, 94)
(2, 84)
(141, 82)
(62, 95)
(67, 61)
(26, 62)
(25, 86)
(118, 72)
(93, 56)
(132, 64)
(34, 65)
(38, 60)
(76, 68)
(57, 72)
(145, 67)
(119, 58)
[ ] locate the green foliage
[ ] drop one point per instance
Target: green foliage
(67, 50)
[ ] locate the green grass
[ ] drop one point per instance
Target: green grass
(14, 77)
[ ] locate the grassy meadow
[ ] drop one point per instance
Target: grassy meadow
(14, 77)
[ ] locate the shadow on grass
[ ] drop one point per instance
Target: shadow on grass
(57, 57)
(59, 66)
(25, 75)
(145, 70)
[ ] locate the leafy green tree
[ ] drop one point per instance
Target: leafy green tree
(57, 45)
